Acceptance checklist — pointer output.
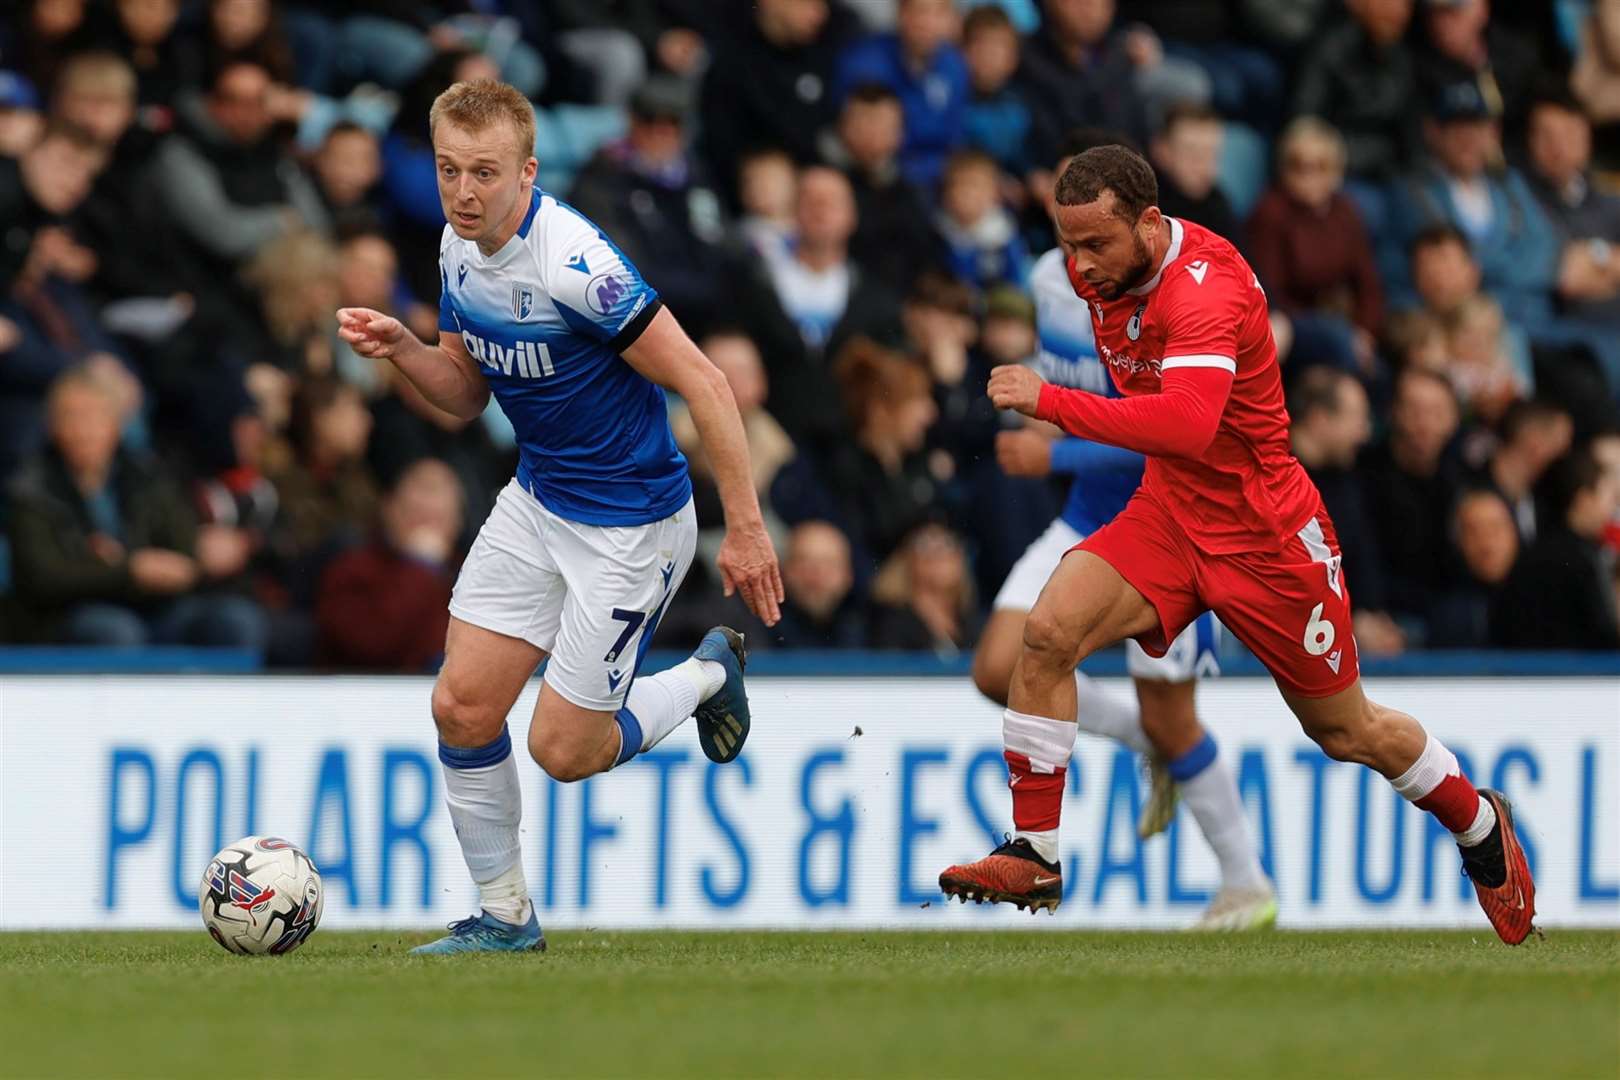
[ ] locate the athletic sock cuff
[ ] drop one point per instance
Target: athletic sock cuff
(1045, 742)
(1432, 766)
(629, 736)
(477, 757)
(1194, 761)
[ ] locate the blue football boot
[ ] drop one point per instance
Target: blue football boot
(485, 933)
(723, 720)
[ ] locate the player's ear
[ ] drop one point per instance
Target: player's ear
(530, 168)
(1148, 223)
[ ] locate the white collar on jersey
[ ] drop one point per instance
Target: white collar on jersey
(1170, 254)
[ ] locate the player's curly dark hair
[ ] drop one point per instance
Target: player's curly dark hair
(1118, 169)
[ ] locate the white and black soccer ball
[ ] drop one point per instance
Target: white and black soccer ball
(260, 895)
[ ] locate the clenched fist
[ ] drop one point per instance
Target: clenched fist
(1013, 386)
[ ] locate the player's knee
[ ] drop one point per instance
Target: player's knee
(1048, 642)
(564, 761)
(462, 720)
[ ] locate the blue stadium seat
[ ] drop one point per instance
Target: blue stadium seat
(1245, 167)
(586, 127)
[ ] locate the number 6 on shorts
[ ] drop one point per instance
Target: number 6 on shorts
(1318, 633)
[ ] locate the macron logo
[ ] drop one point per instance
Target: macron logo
(578, 263)
(1333, 659)
(1198, 270)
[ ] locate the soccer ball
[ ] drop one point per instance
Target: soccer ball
(260, 895)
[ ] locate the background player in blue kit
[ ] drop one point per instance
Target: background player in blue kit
(588, 543)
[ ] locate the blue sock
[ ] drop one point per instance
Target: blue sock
(1194, 761)
(629, 736)
(477, 757)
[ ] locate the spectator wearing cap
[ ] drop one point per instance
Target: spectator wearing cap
(1308, 244)
(1561, 592)
(771, 83)
(1464, 184)
(802, 305)
(655, 200)
(20, 121)
(1361, 77)
(921, 64)
(894, 238)
(1465, 45)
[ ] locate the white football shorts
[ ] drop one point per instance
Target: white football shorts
(1194, 654)
(588, 595)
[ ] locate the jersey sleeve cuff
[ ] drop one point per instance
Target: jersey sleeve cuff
(1046, 404)
(638, 323)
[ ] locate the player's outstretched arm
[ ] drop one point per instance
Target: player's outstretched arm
(1179, 421)
(747, 562)
(445, 374)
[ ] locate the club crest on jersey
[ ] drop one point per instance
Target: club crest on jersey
(1133, 329)
(522, 301)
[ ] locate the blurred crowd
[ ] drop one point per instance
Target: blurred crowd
(842, 201)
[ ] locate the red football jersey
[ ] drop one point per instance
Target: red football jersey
(1204, 309)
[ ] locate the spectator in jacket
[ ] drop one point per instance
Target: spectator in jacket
(1330, 426)
(1462, 185)
(1465, 45)
(106, 550)
(347, 169)
(1472, 614)
(894, 237)
(770, 83)
(1186, 154)
(1309, 246)
(998, 118)
(921, 64)
(822, 610)
(1079, 70)
(1562, 591)
(982, 241)
(1408, 484)
(385, 605)
(801, 307)
(227, 187)
(655, 200)
(1533, 435)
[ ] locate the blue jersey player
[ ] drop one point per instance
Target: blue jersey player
(1164, 723)
(586, 545)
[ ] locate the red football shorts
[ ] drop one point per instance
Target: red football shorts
(1290, 607)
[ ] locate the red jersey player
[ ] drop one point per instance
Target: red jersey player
(1225, 520)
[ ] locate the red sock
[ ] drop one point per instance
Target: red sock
(1037, 796)
(1454, 801)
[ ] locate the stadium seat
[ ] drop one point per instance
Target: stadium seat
(1245, 167)
(586, 127)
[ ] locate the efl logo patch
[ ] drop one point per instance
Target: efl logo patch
(522, 301)
(606, 292)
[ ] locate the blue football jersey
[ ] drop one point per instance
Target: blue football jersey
(1068, 357)
(545, 317)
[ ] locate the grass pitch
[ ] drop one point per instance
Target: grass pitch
(825, 1004)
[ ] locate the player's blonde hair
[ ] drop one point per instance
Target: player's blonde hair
(476, 105)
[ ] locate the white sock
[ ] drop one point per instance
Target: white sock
(1427, 773)
(1044, 843)
(1212, 796)
(486, 805)
(662, 702)
(1101, 713)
